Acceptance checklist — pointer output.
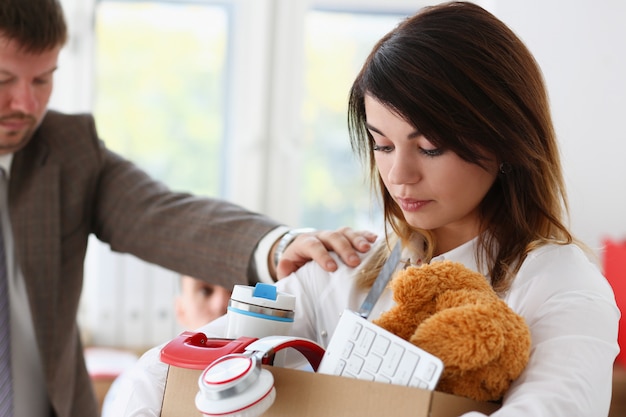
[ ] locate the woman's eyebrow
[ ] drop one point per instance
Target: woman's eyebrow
(373, 129)
(415, 134)
(412, 135)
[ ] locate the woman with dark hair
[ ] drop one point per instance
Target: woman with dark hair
(451, 115)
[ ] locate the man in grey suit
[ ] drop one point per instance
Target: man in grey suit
(60, 184)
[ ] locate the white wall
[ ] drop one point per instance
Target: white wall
(581, 47)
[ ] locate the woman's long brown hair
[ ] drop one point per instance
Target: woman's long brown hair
(469, 84)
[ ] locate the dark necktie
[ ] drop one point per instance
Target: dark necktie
(6, 385)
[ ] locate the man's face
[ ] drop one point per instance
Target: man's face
(25, 88)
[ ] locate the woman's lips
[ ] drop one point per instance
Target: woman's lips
(410, 204)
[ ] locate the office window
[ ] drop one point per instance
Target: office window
(159, 98)
(219, 98)
(334, 192)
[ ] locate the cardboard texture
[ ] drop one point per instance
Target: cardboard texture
(308, 394)
(618, 400)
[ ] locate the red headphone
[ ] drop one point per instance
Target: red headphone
(234, 383)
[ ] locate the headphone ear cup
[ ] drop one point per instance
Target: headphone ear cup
(254, 410)
(235, 386)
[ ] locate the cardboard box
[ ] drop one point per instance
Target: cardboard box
(618, 400)
(308, 394)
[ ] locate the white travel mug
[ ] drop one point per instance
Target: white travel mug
(259, 311)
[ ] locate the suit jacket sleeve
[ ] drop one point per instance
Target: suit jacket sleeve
(102, 193)
(201, 237)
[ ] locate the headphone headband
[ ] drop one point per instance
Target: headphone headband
(268, 346)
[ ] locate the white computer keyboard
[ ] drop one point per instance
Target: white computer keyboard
(360, 349)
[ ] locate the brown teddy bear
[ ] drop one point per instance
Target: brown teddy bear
(453, 313)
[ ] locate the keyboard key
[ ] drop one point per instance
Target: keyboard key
(406, 369)
(355, 364)
(430, 371)
(366, 376)
(347, 350)
(382, 378)
(392, 359)
(418, 383)
(355, 331)
(340, 367)
(373, 363)
(380, 345)
(364, 342)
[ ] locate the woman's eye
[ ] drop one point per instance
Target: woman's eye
(431, 152)
(382, 148)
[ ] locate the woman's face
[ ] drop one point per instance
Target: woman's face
(435, 189)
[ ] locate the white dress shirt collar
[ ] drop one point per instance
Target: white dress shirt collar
(5, 163)
(465, 254)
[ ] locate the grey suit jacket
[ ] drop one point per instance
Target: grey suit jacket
(65, 185)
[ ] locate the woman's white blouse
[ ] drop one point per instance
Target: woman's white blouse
(565, 300)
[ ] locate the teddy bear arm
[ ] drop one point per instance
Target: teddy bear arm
(465, 337)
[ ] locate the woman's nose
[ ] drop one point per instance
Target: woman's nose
(405, 169)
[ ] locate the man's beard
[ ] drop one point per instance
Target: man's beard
(26, 135)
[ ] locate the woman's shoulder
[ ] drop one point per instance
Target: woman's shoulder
(555, 267)
(562, 256)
